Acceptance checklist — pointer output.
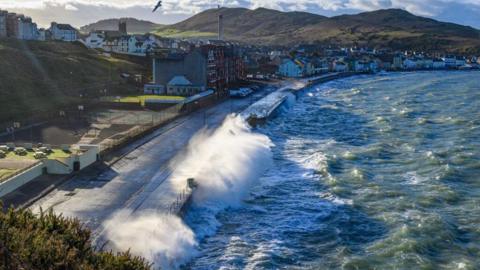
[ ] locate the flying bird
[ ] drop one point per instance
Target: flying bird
(159, 4)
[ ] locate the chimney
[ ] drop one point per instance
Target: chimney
(220, 27)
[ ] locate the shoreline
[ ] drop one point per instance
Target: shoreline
(259, 116)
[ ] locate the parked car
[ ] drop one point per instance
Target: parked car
(21, 151)
(39, 155)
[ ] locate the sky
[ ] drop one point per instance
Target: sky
(82, 12)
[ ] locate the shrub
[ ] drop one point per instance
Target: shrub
(50, 241)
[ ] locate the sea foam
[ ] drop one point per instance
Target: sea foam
(224, 163)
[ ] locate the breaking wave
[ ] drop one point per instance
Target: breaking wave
(224, 163)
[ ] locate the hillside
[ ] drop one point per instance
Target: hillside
(133, 25)
(393, 28)
(42, 76)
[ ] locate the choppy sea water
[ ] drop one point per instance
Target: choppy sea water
(370, 172)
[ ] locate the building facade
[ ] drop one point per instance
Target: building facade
(12, 25)
(3, 23)
(290, 68)
(95, 40)
(181, 86)
(64, 32)
(205, 67)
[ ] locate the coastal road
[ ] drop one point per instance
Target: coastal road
(128, 183)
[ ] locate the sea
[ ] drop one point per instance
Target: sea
(368, 172)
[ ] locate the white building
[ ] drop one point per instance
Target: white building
(181, 86)
(64, 32)
(95, 40)
(450, 61)
(410, 63)
(3, 23)
(460, 62)
(27, 30)
(135, 44)
(438, 64)
(339, 66)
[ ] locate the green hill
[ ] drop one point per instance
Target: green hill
(394, 28)
(133, 25)
(43, 76)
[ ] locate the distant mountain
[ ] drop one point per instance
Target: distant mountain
(394, 28)
(133, 25)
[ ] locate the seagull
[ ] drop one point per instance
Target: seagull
(159, 4)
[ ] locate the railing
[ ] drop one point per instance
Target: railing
(156, 119)
(182, 198)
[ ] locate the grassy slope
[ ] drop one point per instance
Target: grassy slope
(393, 28)
(39, 76)
(173, 33)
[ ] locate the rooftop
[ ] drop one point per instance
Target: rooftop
(179, 80)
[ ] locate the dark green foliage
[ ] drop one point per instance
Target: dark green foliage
(50, 241)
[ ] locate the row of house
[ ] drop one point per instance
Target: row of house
(120, 41)
(308, 66)
(206, 67)
(117, 42)
(18, 26)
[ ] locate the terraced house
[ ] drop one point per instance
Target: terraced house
(64, 32)
(3, 23)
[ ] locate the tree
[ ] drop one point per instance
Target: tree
(50, 241)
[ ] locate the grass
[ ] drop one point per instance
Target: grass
(6, 173)
(40, 76)
(141, 99)
(174, 33)
(55, 154)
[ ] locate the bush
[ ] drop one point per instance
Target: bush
(50, 241)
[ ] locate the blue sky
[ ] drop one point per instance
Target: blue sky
(81, 12)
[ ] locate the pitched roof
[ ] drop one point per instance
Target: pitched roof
(179, 80)
(65, 27)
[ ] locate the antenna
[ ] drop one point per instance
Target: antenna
(220, 24)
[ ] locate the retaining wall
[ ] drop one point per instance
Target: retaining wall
(21, 179)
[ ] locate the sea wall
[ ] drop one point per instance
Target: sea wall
(262, 110)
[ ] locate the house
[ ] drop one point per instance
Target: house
(410, 63)
(135, 44)
(181, 86)
(290, 68)
(149, 44)
(12, 25)
(339, 66)
(385, 61)
(397, 62)
(95, 40)
(361, 66)
(27, 29)
(428, 63)
(460, 62)
(320, 65)
(44, 34)
(295, 68)
(64, 32)
(450, 61)
(117, 45)
(3, 23)
(438, 63)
